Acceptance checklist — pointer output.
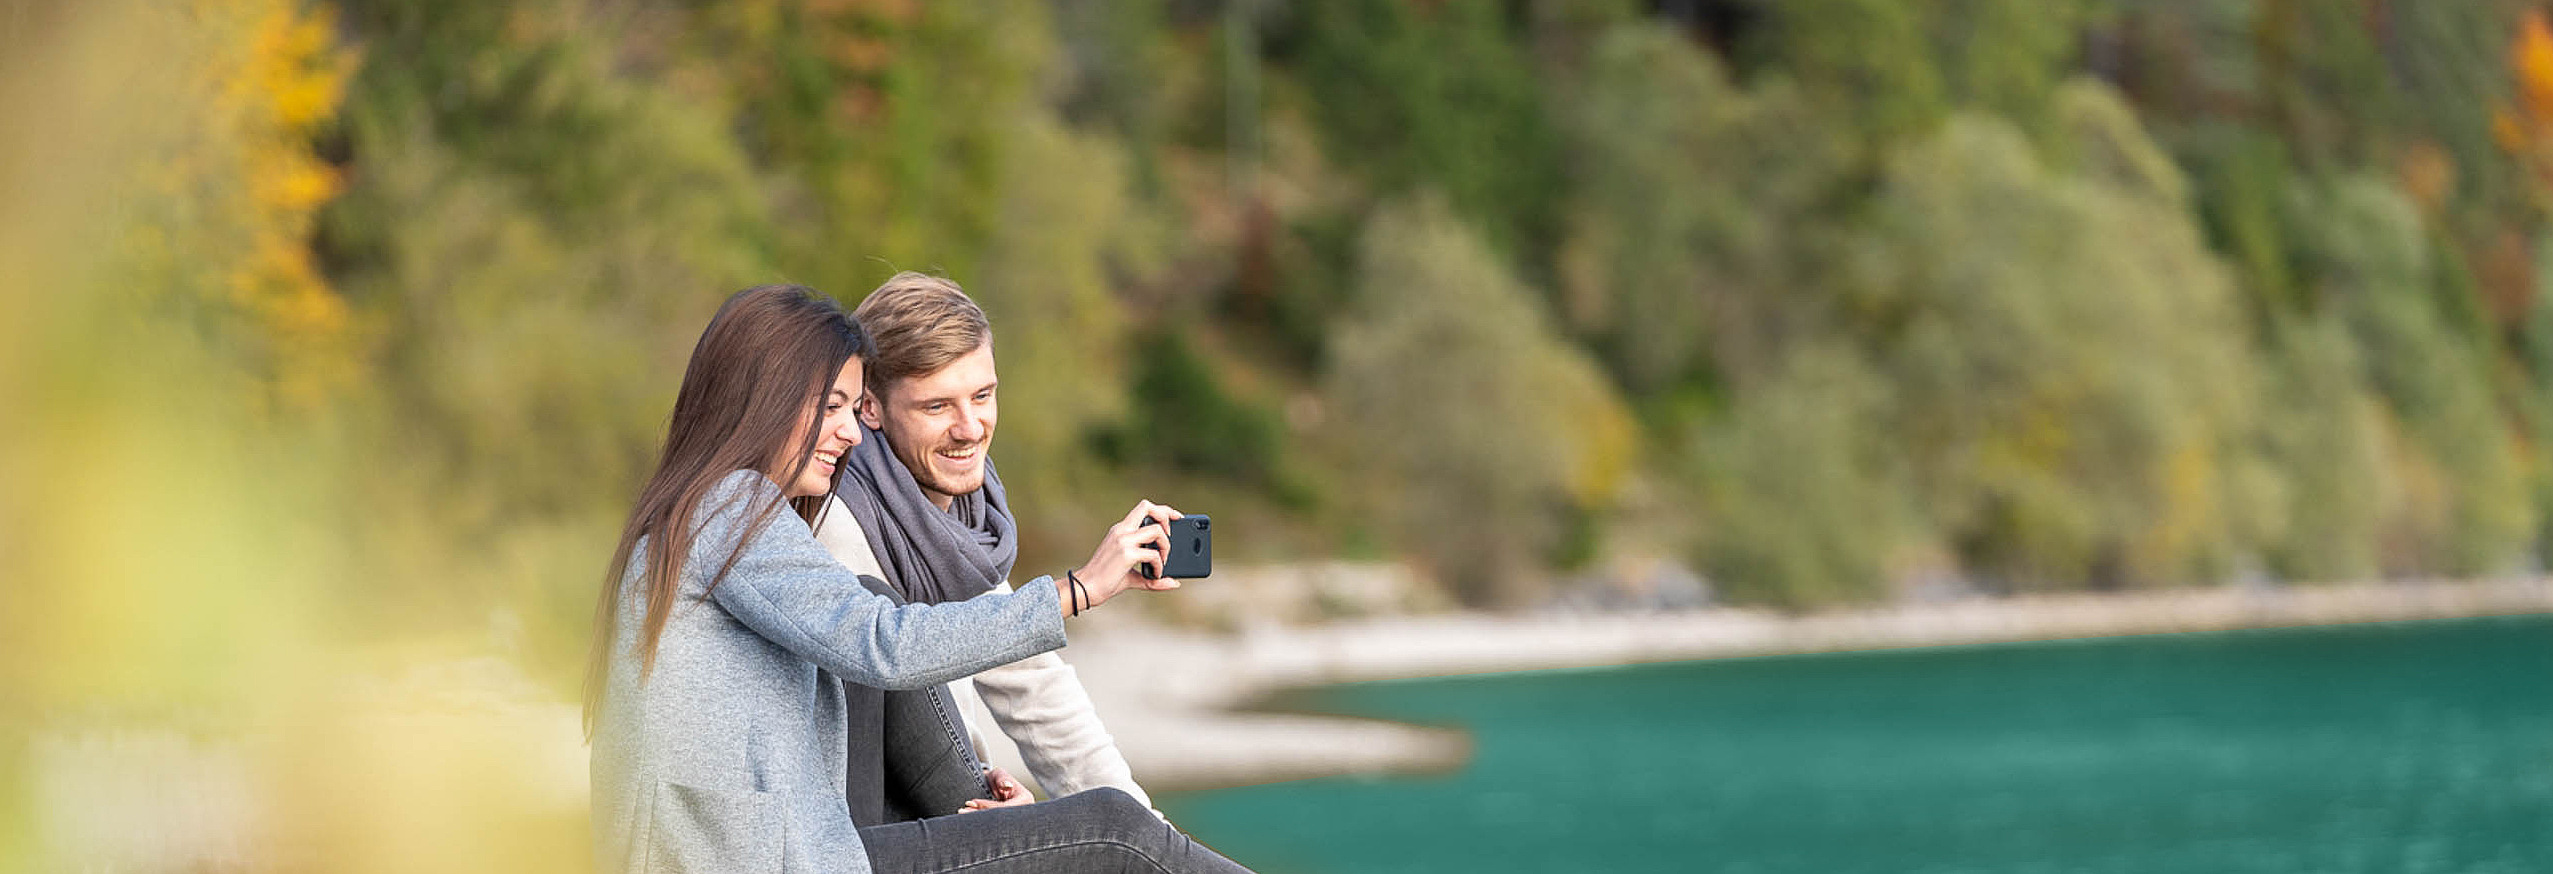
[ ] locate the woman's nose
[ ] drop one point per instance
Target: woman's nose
(848, 430)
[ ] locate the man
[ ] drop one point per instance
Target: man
(918, 504)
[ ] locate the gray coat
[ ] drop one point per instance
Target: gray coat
(729, 756)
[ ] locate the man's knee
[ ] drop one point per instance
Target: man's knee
(1119, 815)
(1116, 806)
(1137, 839)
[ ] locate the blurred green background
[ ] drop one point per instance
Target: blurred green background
(337, 333)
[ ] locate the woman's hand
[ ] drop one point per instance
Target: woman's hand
(1006, 792)
(1128, 544)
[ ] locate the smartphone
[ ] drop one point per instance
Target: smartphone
(1191, 553)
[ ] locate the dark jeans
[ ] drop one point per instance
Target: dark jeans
(1094, 831)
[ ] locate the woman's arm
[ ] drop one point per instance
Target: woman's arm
(787, 588)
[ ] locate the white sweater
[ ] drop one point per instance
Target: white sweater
(1038, 701)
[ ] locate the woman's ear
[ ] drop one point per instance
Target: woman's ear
(867, 407)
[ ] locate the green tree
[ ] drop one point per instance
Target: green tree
(1438, 97)
(1637, 274)
(535, 243)
(1868, 64)
(1476, 423)
(1710, 284)
(2326, 436)
(2465, 507)
(2071, 372)
(2007, 57)
(883, 130)
(1806, 497)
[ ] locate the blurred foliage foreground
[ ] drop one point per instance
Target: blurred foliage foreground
(338, 335)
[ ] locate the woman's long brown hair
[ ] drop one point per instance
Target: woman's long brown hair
(762, 368)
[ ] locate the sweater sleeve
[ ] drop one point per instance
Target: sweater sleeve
(787, 588)
(1040, 704)
(840, 533)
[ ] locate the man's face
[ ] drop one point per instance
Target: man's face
(940, 424)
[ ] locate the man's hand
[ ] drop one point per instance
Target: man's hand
(1128, 543)
(1006, 792)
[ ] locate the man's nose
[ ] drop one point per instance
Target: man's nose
(970, 426)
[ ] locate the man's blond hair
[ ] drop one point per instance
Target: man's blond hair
(918, 323)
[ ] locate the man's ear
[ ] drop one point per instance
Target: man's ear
(867, 408)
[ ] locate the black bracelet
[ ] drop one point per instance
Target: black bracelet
(1078, 594)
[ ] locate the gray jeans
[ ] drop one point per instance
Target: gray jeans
(1094, 831)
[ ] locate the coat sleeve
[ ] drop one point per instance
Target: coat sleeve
(788, 589)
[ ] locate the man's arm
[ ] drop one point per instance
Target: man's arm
(1039, 702)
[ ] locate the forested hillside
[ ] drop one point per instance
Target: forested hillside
(1828, 300)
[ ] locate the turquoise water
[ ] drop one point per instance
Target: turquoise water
(2398, 748)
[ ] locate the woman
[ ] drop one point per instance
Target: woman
(716, 717)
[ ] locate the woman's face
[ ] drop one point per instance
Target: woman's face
(837, 431)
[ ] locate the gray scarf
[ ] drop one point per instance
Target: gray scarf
(930, 555)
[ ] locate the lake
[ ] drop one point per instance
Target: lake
(2397, 748)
